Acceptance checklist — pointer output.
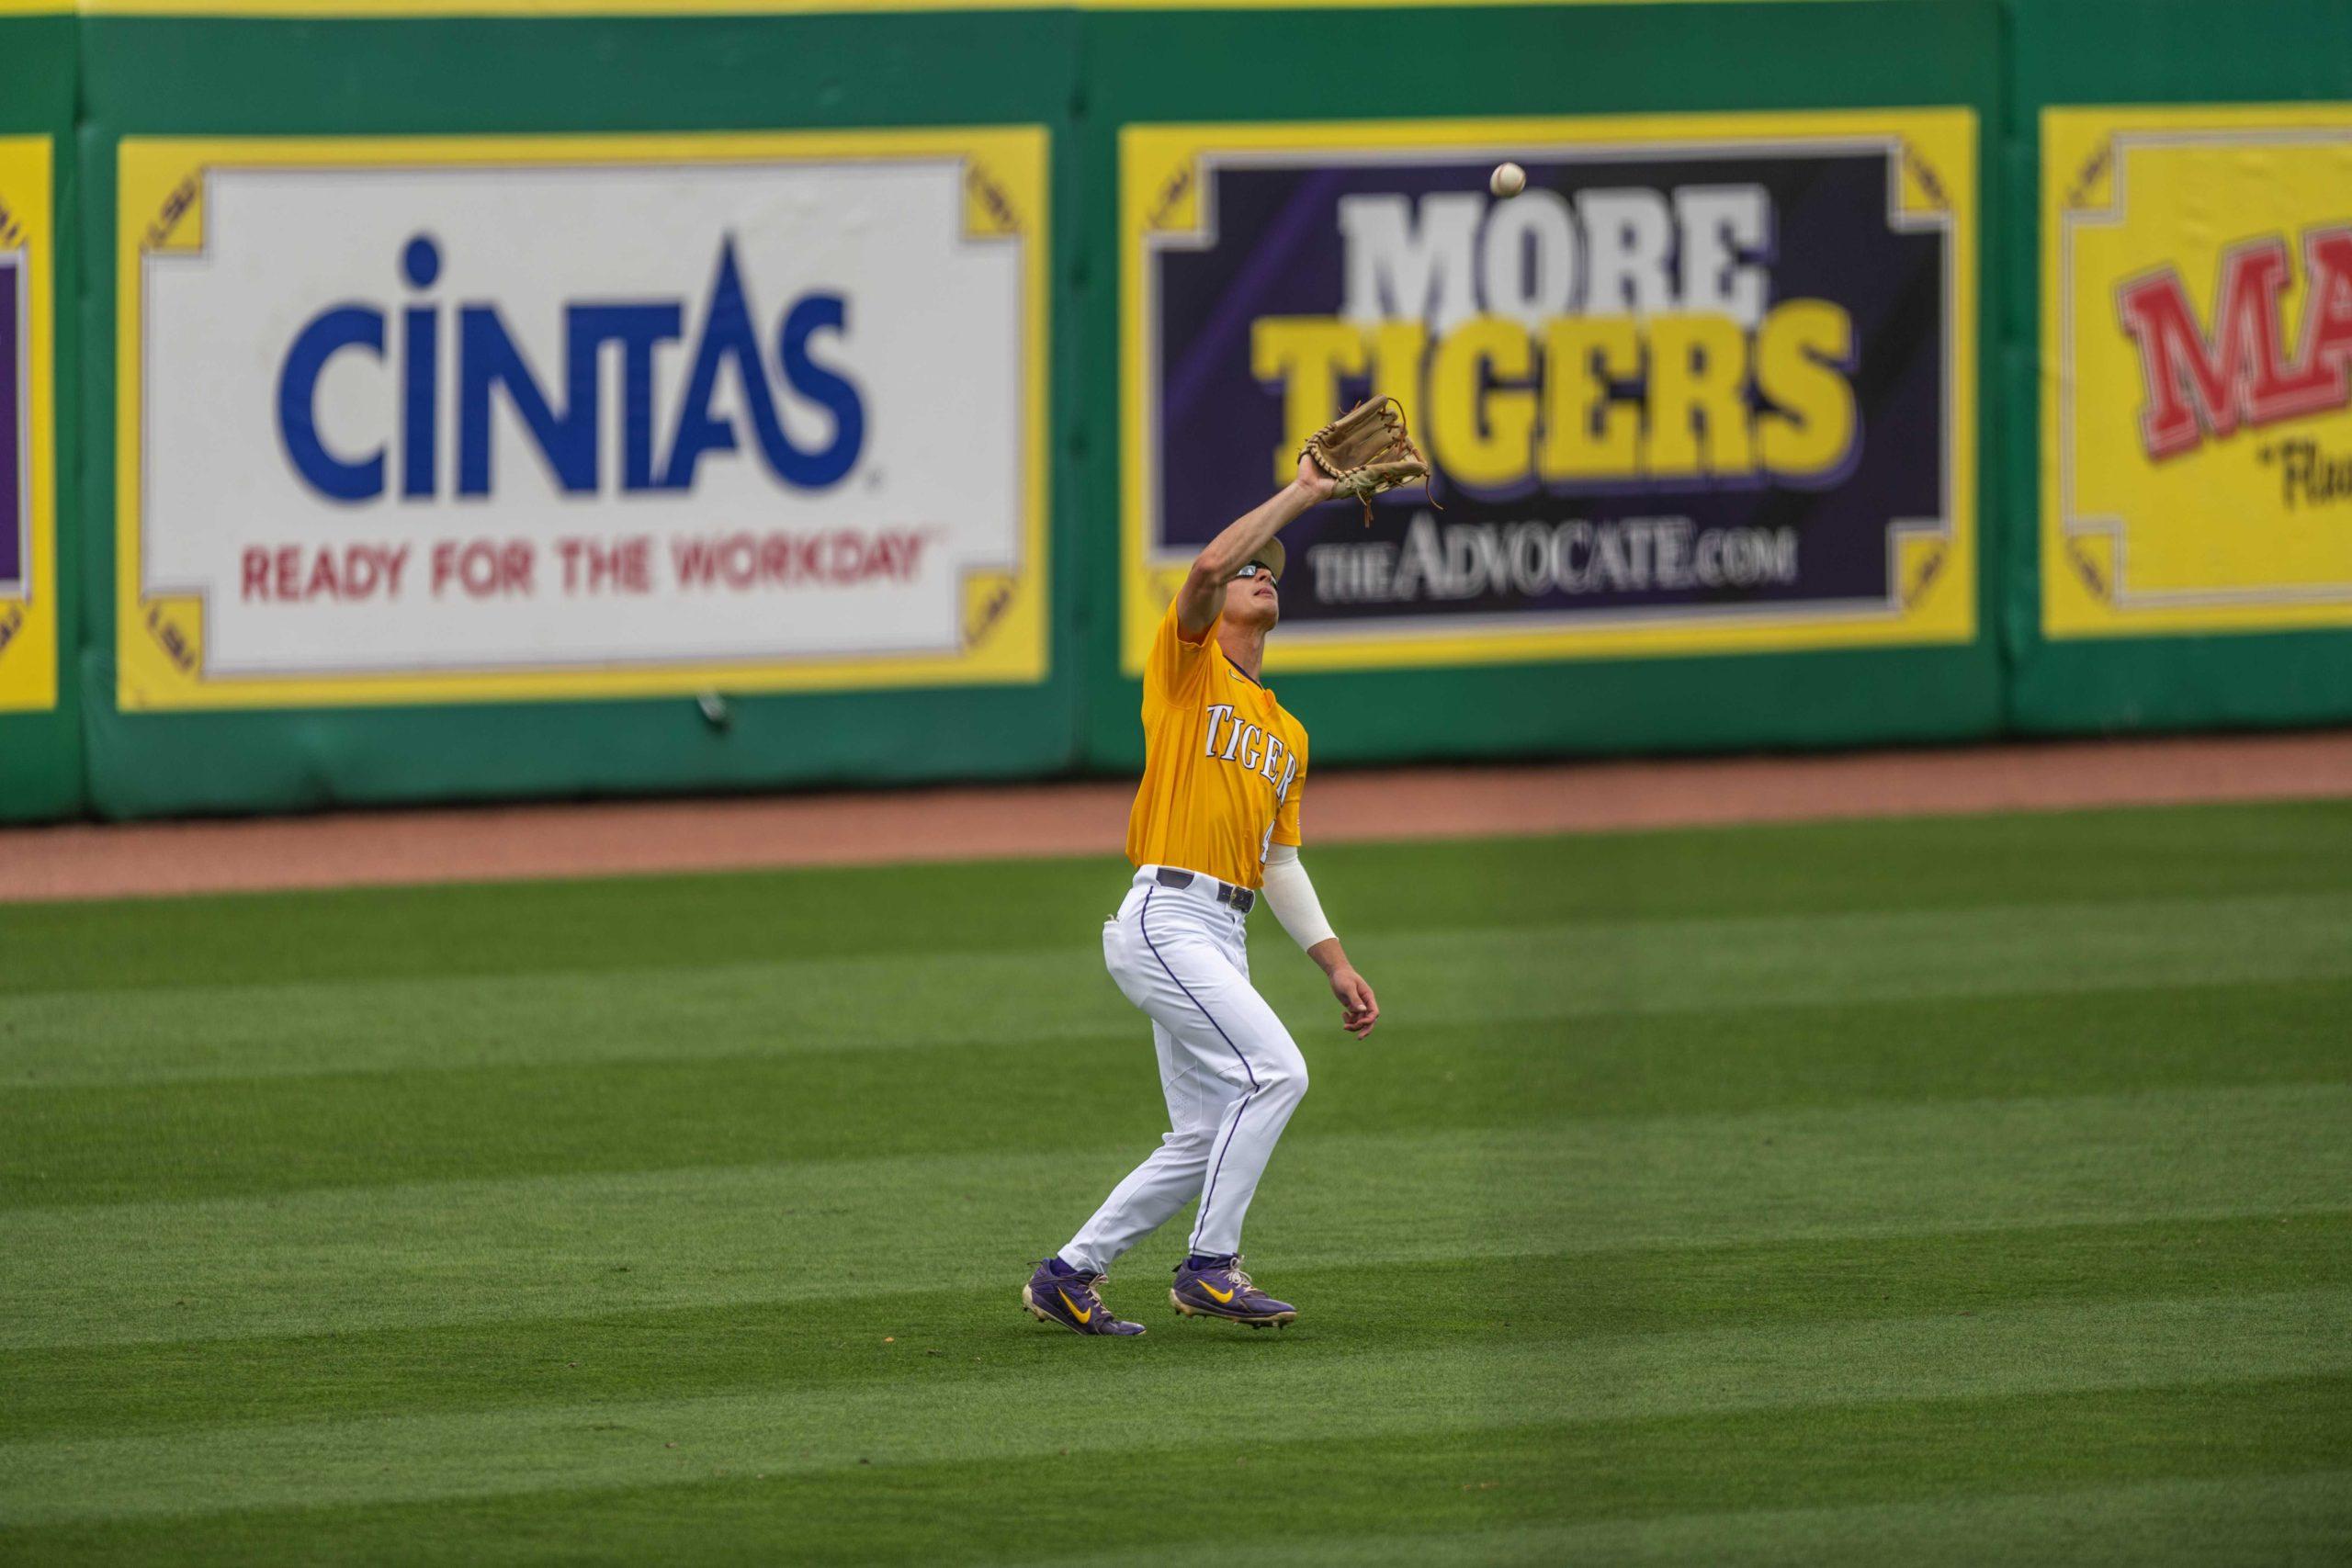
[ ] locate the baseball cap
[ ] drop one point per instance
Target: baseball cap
(1272, 557)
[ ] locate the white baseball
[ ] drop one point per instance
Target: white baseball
(1507, 180)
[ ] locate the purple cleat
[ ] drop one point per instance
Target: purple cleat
(1222, 1290)
(1059, 1293)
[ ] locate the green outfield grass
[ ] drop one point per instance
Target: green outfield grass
(1943, 1192)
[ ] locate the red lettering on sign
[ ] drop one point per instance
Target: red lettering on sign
(606, 566)
(842, 558)
(483, 569)
(2198, 383)
(296, 575)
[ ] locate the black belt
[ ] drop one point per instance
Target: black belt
(1242, 898)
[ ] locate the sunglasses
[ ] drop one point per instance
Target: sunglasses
(1259, 568)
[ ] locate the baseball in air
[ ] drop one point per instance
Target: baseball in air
(1507, 180)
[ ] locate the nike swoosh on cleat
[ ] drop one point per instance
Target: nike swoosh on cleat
(1222, 1296)
(1081, 1316)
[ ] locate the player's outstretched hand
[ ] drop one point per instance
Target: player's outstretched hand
(1318, 485)
(1359, 1008)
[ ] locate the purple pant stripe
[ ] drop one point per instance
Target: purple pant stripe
(1201, 1220)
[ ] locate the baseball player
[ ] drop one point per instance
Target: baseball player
(1215, 824)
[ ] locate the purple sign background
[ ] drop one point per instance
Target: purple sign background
(1279, 251)
(12, 426)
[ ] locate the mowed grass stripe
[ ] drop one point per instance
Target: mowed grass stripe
(699, 921)
(229, 1137)
(1668, 1203)
(1267, 1490)
(443, 1252)
(87, 1392)
(1054, 997)
(1118, 1403)
(2303, 1518)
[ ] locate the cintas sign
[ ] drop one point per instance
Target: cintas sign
(620, 342)
(458, 418)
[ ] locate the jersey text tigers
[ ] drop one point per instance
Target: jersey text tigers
(1224, 763)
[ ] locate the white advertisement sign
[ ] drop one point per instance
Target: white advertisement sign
(442, 419)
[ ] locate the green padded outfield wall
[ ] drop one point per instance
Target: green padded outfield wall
(1812, 584)
(380, 272)
(40, 729)
(1148, 248)
(2184, 558)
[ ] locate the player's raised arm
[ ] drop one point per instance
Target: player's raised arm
(1362, 453)
(1198, 601)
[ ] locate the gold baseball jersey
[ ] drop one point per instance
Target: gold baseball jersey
(1223, 764)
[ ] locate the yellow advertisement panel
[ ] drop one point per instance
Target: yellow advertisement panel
(444, 419)
(1690, 384)
(28, 428)
(2197, 364)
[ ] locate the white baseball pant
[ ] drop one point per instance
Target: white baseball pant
(1229, 1069)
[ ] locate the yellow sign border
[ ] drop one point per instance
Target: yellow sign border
(1157, 185)
(1007, 620)
(2080, 568)
(368, 9)
(28, 651)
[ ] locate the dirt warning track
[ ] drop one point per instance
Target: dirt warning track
(499, 844)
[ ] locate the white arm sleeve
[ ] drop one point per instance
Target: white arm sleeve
(1291, 896)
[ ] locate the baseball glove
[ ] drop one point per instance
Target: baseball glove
(1366, 451)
